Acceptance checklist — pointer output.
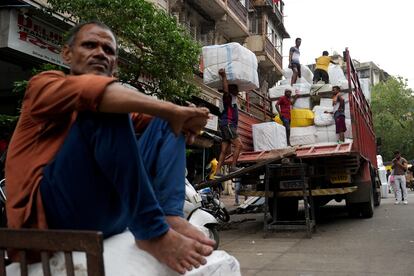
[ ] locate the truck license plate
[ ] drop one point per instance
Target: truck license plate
(291, 184)
(340, 178)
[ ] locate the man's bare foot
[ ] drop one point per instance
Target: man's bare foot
(176, 251)
(185, 228)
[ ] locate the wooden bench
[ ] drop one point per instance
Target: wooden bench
(47, 242)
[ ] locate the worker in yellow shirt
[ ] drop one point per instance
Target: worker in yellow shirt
(321, 69)
(213, 167)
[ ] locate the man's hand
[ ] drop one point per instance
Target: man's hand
(222, 72)
(190, 120)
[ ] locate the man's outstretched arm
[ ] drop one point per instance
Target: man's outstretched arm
(120, 99)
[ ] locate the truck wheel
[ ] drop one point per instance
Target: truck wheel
(214, 235)
(367, 208)
(376, 183)
(287, 208)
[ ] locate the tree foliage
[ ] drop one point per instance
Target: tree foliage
(153, 43)
(393, 111)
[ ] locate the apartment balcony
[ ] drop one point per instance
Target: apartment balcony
(266, 53)
(231, 16)
(275, 9)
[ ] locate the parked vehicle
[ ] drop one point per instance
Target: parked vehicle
(199, 216)
(212, 204)
(334, 171)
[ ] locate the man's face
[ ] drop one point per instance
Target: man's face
(288, 93)
(298, 42)
(335, 91)
(397, 155)
(92, 52)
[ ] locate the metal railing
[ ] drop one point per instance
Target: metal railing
(240, 10)
(270, 49)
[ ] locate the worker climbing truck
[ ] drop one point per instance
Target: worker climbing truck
(332, 171)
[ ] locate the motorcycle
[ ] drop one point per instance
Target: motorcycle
(212, 204)
(198, 216)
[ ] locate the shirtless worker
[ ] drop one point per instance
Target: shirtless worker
(74, 162)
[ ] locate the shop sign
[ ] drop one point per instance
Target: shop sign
(34, 37)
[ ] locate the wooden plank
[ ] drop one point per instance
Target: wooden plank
(45, 263)
(273, 156)
(69, 264)
(51, 240)
(2, 263)
(23, 263)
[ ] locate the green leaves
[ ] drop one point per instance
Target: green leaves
(393, 111)
(159, 47)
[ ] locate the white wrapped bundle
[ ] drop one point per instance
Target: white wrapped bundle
(268, 136)
(305, 72)
(123, 257)
(239, 62)
(348, 132)
(337, 76)
(279, 91)
(326, 102)
(302, 135)
(302, 103)
(326, 134)
(366, 88)
(300, 88)
(322, 118)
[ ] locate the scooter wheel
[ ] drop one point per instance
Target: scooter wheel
(214, 235)
(223, 215)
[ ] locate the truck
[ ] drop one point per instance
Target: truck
(333, 171)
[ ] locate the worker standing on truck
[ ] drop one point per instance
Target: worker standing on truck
(228, 121)
(338, 103)
(283, 107)
(399, 165)
(321, 69)
(294, 61)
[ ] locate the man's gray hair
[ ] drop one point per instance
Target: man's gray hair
(71, 35)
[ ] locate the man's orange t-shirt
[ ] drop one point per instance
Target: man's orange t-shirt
(49, 108)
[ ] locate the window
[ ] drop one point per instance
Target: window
(254, 24)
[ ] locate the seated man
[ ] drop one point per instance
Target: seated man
(74, 161)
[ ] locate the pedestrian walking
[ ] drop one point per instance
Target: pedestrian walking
(399, 165)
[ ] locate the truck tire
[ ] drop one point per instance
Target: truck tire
(287, 208)
(367, 208)
(376, 186)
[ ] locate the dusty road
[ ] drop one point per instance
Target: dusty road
(383, 245)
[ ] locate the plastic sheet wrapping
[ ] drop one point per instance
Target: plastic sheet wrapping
(300, 88)
(302, 103)
(366, 88)
(337, 76)
(326, 134)
(123, 257)
(305, 72)
(326, 102)
(239, 62)
(322, 118)
(299, 118)
(268, 136)
(302, 135)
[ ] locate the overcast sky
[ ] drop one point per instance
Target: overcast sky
(374, 30)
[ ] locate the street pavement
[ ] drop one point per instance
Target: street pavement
(382, 245)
